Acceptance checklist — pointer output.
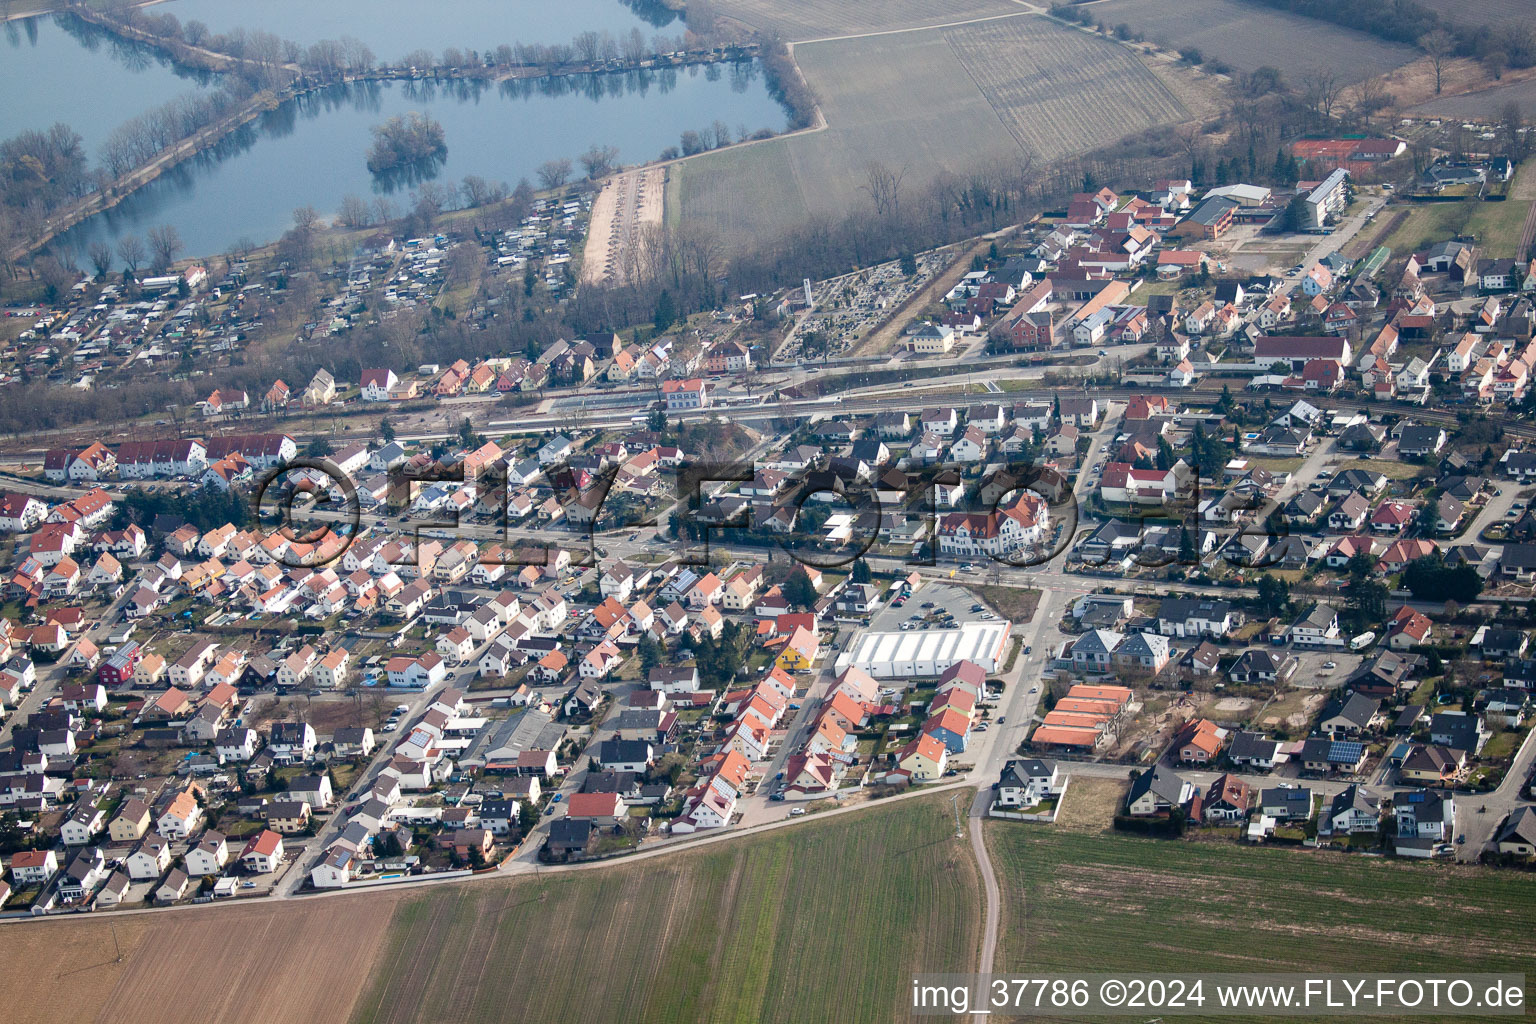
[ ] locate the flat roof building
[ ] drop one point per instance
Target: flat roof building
(928, 652)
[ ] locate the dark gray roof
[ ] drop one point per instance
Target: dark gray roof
(623, 751)
(1167, 784)
(1358, 710)
(570, 831)
(1351, 797)
(1250, 745)
(1182, 609)
(1293, 797)
(1519, 827)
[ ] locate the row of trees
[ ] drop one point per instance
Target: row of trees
(139, 139)
(785, 83)
(264, 57)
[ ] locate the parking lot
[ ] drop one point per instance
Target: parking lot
(1313, 671)
(935, 606)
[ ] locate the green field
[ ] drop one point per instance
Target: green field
(820, 922)
(1095, 901)
(1498, 227)
(1428, 223)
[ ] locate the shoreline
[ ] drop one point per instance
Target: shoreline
(299, 86)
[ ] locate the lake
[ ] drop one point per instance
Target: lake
(393, 28)
(312, 152)
(82, 76)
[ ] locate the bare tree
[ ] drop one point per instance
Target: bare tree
(1440, 45)
(132, 252)
(354, 212)
(1369, 96)
(1513, 133)
(634, 46)
(700, 19)
(598, 161)
(1321, 90)
(164, 243)
(101, 257)
(305, 219)
(476, 190)
(587, 45)
(554, 173)
(884, 187)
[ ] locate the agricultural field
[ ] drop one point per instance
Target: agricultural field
(1489, 12)
(1071, 899)
(822, 922)
(1484, 104)
(1248, 36)
(1061, 92)
(284, 961)
(817, 19)
(902, 100)
(929, 102)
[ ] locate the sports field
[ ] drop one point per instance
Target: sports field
(929, 102)
(1248, 36)
(795, 20)
(1085, 900)
(821, 922)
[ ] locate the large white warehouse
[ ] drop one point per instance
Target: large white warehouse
(928, 652)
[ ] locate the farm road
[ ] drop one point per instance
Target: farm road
(1024, 8)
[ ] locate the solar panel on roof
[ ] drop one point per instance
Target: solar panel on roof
(1345, 751)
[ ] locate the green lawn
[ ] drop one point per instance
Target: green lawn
(1389, 468)
(821, 922)
(1428, 223)
(1503, 744)
(1498, 227)
(1093, 901)
(1277, 465)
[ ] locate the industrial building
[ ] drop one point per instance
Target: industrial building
(928, 652)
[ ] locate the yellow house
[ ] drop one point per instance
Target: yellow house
(925, 758)
(131, 823)
(1432, 765)
(799, 651)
